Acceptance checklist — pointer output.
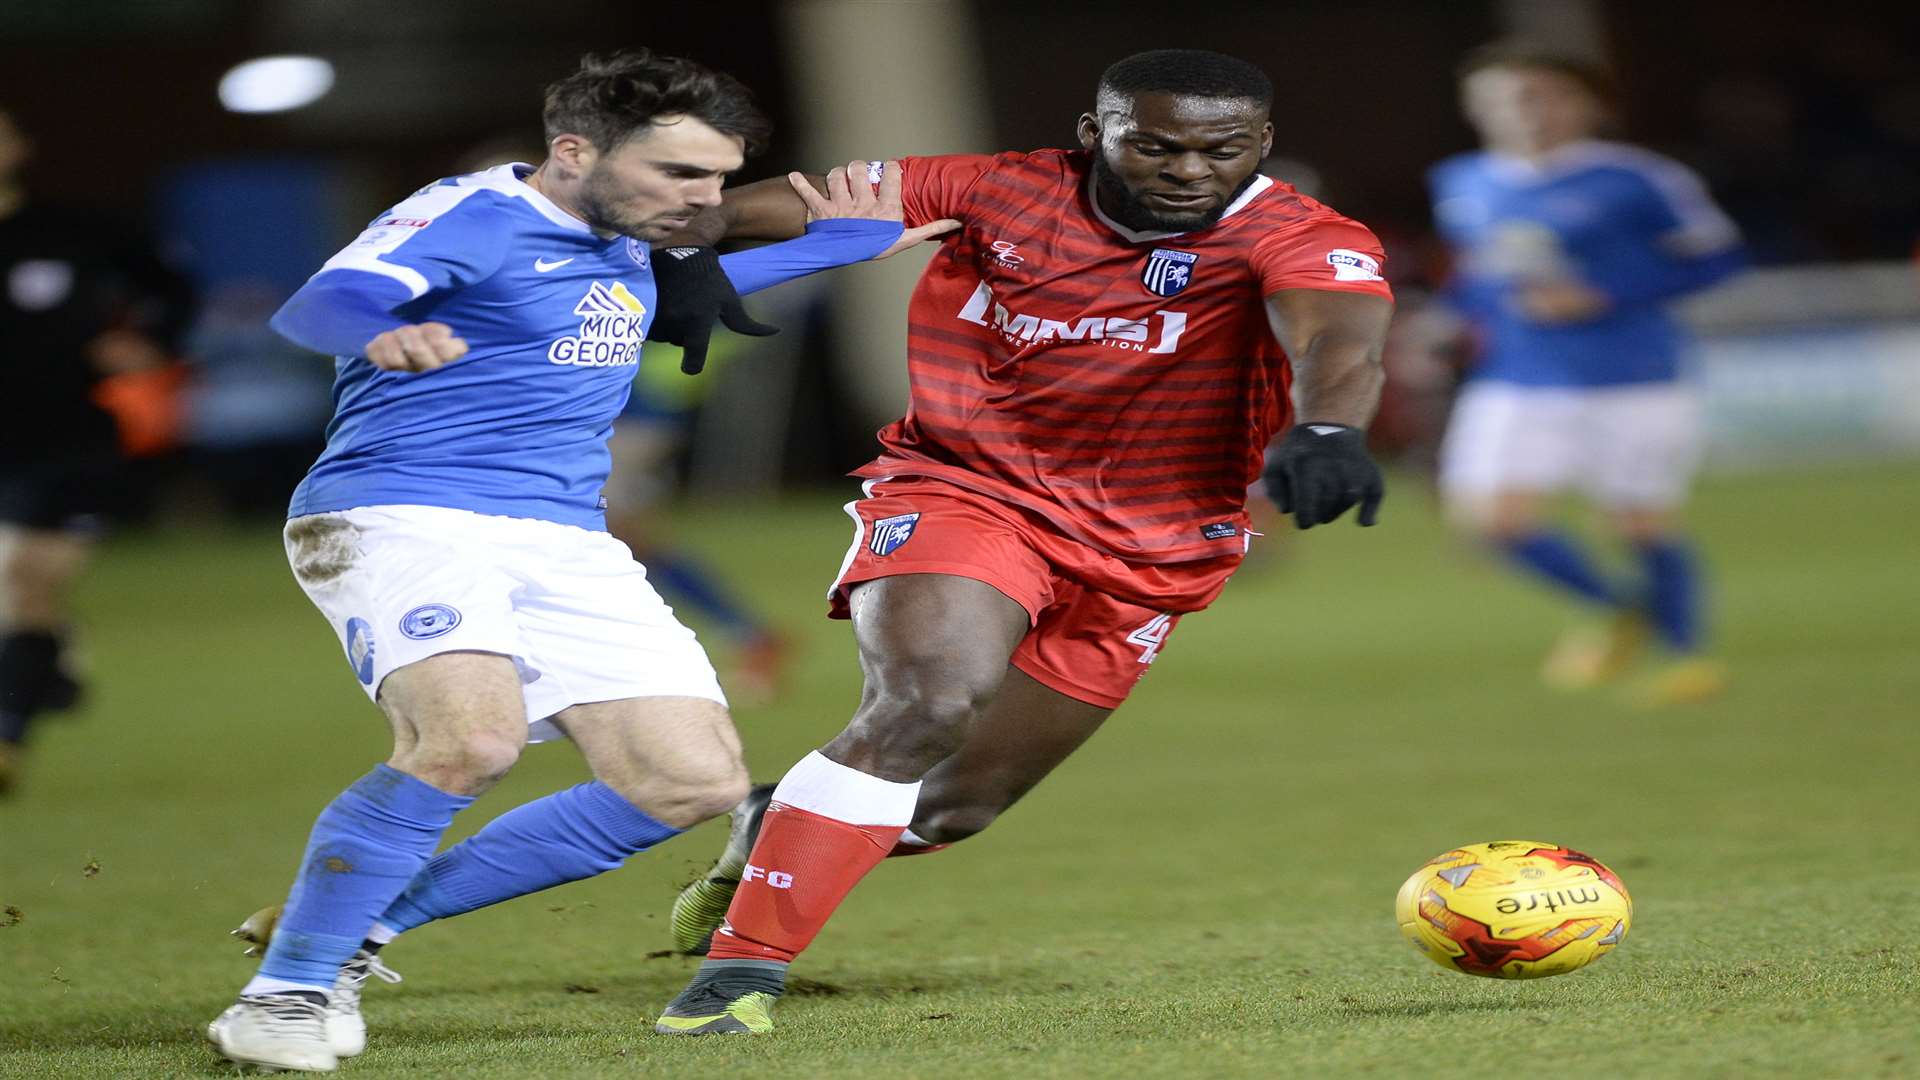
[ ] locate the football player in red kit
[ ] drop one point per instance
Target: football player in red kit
(1098, 359)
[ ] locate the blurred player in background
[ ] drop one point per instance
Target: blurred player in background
(647, 441)
(1098, 360)
(82, 302)
(1568, 251)
(486, 329)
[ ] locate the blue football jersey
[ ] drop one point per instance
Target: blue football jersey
(553, 316)
(1637, 226)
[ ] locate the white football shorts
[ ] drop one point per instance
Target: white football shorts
(1625, 447)
(570, 606)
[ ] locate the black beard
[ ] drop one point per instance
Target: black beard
(596, 208)
(1125, 207)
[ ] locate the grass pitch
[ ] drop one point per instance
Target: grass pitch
(1205, 890)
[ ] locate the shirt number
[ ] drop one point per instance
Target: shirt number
(1150, 637)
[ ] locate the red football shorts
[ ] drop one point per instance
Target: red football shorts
(1098, 621)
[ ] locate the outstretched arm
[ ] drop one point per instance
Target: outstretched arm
(1333, 339)
(777, 208)
(351, 313)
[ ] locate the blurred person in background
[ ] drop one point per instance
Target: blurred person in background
(647, 442)
(1568, 250)
(254, 408)
(88, 318)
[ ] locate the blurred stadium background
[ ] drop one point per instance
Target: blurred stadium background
(1208, 889)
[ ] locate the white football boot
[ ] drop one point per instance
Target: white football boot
(346, 1028)
(273, 1032)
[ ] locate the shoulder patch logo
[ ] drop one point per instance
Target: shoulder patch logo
(638, 251)
(1350, 265)
(890, 533)
(429, 621)
(1168, 272)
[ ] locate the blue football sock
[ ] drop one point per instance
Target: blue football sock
(1673, 592)
(1559, 559)
(566, 836)
(685, 581)
(365, 847)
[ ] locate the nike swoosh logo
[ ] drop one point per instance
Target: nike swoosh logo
(543, 265)
(1325, 429)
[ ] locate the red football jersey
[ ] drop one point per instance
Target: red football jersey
(1123, 385)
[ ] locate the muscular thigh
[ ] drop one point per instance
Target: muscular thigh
(918, 629)
(933, 650)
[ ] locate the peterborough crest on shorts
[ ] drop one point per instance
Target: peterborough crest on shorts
(890, 533)
(1168, 272)
(429, 621)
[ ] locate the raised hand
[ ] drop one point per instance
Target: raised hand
(858, 190)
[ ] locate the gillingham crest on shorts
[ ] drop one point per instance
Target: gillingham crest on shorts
(429, 621)
(360, 649)
(890, 533)
(1168, 272)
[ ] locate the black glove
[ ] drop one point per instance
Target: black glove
(693, 292)
(1316, 471)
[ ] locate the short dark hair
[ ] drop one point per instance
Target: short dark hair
(1188, 72)
(1522, 53)
(616, 96)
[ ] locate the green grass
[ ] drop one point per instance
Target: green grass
(1205, 890)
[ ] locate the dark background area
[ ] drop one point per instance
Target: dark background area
(1806, 117)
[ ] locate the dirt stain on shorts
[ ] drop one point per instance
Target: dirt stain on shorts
(322, 547)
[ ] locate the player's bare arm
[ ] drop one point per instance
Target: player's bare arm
(1333, 339)
(780, 208)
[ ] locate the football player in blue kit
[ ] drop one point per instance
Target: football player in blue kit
(1568, 251)
(486, 331)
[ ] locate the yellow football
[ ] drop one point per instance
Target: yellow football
(1514, 909)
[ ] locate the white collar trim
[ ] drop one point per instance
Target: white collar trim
(1260, 184)
(510, 180)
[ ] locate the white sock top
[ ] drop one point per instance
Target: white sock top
(821, 786)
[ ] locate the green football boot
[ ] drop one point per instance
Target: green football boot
(726, 997)
(701, 906)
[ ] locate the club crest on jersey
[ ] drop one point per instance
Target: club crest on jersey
(1168, 272)
(612, 325)
(890, 533)
(637, 251)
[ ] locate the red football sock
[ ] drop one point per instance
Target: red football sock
(809, 856)
(802, 866)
